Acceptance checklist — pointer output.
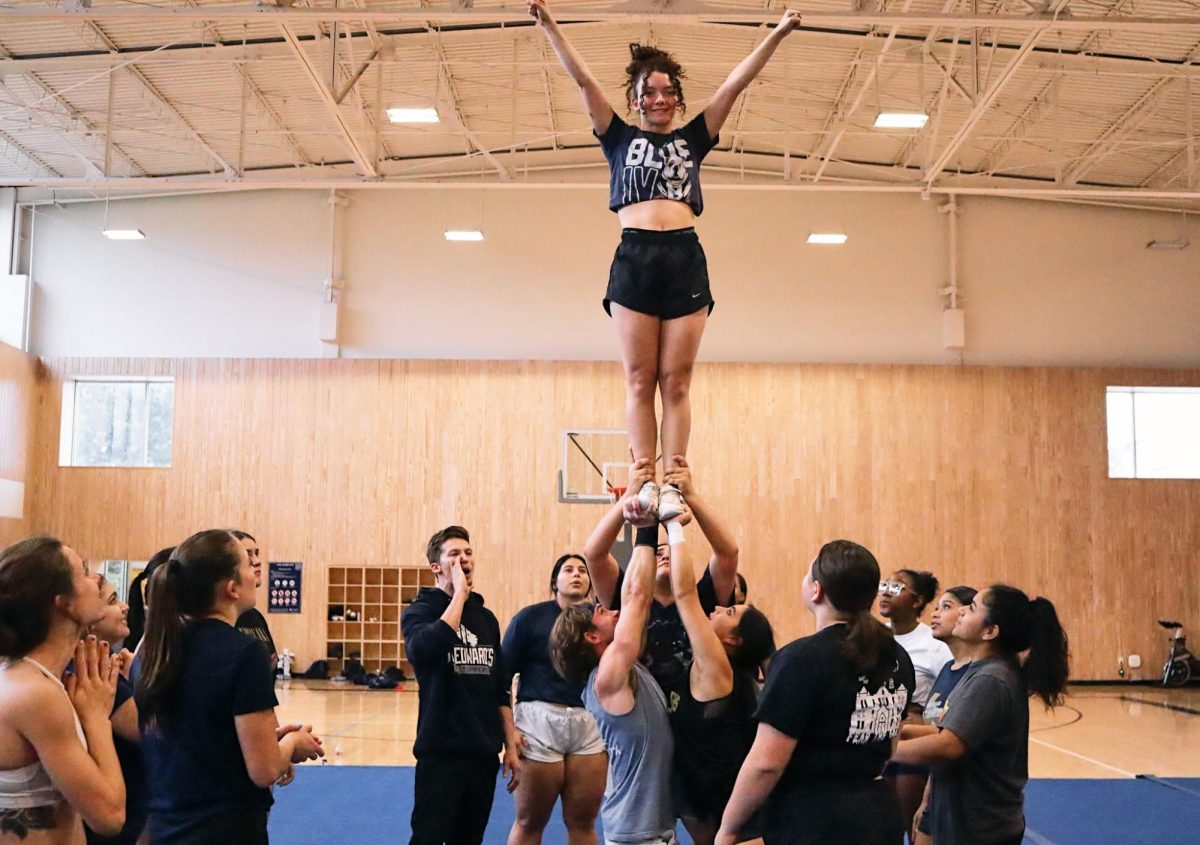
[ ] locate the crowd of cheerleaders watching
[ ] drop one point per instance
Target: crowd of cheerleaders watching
(81, 750)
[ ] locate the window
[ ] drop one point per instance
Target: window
(117, 422)
(1153, 432)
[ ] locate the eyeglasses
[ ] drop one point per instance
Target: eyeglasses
(891, 588)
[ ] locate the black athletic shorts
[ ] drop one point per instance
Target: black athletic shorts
(664, 274)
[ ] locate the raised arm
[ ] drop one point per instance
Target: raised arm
(597, 551)
(711, 676)
(598, 108)
(719, 106)
(612, 676)
(724, 562)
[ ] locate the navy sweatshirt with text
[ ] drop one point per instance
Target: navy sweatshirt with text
(462, 677)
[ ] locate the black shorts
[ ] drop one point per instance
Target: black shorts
(664, 274)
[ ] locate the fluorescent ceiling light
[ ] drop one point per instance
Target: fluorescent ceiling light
(463, 235)
(827, 238)
(397, 115)
(124, 234)
(900, 120)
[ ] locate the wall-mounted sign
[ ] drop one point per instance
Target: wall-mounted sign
(283, 587)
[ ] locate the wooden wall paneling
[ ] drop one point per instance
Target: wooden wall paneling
(979, 474)
(18, 400)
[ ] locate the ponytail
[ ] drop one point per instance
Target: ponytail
(182, 589)
(137, 603)
(1032, 628)
(1047, 665)
(161, 643)
(849, 575)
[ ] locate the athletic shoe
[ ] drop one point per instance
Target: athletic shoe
(670, 503)
(647, 499)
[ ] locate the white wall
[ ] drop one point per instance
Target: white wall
(241, 275)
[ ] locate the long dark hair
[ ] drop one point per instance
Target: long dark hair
(33, 573)
(758, 641)
(137, 602)
(1031, 626)
(558, 565)
(183, 588)
(849, 574)
(645, 60)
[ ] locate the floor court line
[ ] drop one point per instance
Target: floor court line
(1160, 782)
(1177, 708)
(1083, 757)
(1037, 839)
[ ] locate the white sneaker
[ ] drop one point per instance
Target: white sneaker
(670, 503)
(648, 503)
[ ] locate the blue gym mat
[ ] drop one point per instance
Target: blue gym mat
(370, 805)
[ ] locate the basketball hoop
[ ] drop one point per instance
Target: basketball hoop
(616, 492)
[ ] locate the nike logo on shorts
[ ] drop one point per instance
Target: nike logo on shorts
(695, 296)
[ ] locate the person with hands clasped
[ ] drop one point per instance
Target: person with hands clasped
(658, 290)
(113, 628)
(206, 702)
(464, 715)
(58, 767)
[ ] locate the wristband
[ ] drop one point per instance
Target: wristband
(674, 533)
(647, 536)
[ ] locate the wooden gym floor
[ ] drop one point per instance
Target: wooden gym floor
(1116, 731)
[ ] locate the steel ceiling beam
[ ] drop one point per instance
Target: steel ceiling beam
(257, 51)
(987, 98)
(637, 10)
(357, 151)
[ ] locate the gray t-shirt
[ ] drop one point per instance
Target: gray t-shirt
(637, 800)
(979, 799)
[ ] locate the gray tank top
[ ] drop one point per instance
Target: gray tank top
(637, 800)
(30, 786)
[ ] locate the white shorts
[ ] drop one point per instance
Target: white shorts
(668, 838)
(554, 731)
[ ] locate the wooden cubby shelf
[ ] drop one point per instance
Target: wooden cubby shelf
(378, 596)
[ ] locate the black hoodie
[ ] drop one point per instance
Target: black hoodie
(462, 678)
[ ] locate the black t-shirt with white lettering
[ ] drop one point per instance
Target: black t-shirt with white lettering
(655, 166)
(194, 762)
(843, 722)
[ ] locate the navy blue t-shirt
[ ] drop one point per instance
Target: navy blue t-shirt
(655, 166)
(194, 761)
(527, 651)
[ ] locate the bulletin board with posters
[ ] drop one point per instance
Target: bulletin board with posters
(283, 587)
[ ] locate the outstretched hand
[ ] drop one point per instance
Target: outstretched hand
(538, 10)
(789, 21)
